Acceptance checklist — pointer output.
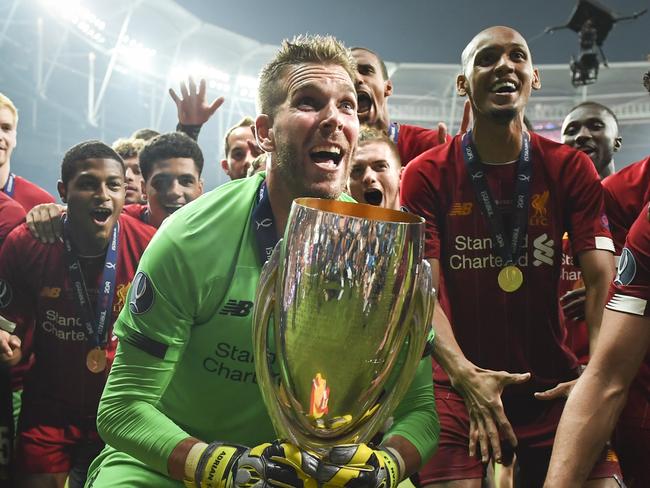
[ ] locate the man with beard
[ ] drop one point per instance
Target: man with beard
(172, 391)
(240, 149)
(373, 89)
(626, 193)
(497, 202)
(376, 170)
(72, 291)
(591, 128)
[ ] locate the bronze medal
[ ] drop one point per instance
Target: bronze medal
(96, 360)
(510, 278)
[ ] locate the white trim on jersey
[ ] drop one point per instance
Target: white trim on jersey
(605, 243)
(627, 304)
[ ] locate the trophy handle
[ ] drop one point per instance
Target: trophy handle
(262, 312)
(418, 322)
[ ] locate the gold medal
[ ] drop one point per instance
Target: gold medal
(96, 360)
(510, 278)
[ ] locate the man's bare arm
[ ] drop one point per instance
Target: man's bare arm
(598, 271)
(596, 401)
(480, 388)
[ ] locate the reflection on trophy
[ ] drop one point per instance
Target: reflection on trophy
(345, 305)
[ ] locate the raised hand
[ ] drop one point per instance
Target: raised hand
(192, 107)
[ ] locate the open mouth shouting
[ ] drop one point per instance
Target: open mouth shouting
(100, 215)
(373, 196)
(364, 103)
(327, 156)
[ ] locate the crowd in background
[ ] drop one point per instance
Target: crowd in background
(523, 235)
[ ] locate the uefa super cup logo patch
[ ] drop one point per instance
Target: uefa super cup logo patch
(626, 268)
(142, 296)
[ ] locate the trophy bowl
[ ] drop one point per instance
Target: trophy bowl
(344, 305)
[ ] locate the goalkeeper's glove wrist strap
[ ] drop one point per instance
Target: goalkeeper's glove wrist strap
(211, 465)
(399, 462)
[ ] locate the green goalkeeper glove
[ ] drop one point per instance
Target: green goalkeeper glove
(279, 465)
(360, 466)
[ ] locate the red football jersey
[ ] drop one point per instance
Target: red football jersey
(517, 331)
(630, 293)
(626, 191)
(29, 194)
(37, 287)
(577, 332)
(137, 211)
(413, 141)
(11, 215)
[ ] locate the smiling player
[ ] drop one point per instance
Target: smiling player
(72, 291)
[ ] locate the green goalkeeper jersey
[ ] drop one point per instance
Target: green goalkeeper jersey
(185, 366)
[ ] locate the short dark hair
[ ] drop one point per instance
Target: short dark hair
(600, 106)
(166, 146)
(245, 122)
(146, 134)
(81, 152)
(384, 70)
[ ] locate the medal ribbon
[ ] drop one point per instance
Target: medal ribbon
(508, 250)
(10, 187)
(94, 322)
(393, 131)
(263, 224)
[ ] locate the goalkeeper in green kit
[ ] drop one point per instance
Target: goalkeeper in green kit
(182, 405)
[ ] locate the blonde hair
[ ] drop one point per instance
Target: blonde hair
(301, 49)
(128, 148)
(6, 102)
(369, 134)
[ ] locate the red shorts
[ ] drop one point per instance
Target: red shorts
(56, 449)
(534, 423)
(632, 444)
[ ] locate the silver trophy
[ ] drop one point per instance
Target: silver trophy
(344, 306)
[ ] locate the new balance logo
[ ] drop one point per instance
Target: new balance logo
(237, 308)
(544, 251)
(460, 209)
